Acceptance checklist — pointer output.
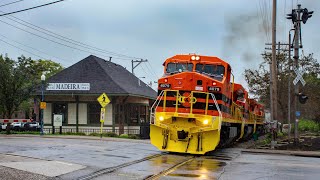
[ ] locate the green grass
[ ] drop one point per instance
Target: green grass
(21, 132)
(308, 125)
(73, 133)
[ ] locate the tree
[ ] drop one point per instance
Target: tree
(259, 84)
(19, 79)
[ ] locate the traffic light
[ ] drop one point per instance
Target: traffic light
(306, 15)
(292, 16)
(302, 98)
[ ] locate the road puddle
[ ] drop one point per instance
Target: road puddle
(200, 168)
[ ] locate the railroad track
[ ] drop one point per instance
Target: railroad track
(115, 168)
(169, 170)
(220, 156)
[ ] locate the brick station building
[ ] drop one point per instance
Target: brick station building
(73, 93)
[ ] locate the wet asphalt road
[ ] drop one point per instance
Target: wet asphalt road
(56, 158)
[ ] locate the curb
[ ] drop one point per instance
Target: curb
(76, 137)
(315, 154)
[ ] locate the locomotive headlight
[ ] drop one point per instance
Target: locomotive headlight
(197, 58)
(193, 57)
(205, 122)
(161, 118)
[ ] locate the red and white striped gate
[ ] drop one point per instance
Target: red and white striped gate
(14, 120)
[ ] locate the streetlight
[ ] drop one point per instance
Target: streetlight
(43, 78)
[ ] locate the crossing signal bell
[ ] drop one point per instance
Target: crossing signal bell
(292, 16)
(302, 98)
(306, 15)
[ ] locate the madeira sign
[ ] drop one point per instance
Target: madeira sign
(68, 86)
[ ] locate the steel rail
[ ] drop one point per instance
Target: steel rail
(112, 169)
(169, 170)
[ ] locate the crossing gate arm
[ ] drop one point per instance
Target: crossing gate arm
(14, 120)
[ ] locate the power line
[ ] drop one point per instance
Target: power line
(10, 3)
(56, 41)
(31, 8)
(157, 77)
(66, 39)
(32, 48)
(60, 38)
(147, 72)
(22, 49)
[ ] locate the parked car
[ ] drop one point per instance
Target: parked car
(3, 126)
(31, 126)
(17, 126)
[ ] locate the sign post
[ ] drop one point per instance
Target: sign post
(104, 101)
(102, 117)
(57, 121)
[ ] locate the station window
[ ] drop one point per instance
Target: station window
(94, 113)
(61, 108)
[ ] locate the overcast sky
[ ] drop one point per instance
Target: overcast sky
(155, 30)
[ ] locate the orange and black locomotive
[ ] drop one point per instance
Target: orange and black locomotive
(200, 107)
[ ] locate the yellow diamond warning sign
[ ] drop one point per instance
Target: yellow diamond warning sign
(103, 100)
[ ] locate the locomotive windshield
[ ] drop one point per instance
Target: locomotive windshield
(178, 67)
(212, 70)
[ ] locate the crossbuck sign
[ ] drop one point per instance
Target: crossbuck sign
(299, 76)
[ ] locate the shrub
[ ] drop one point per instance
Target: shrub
(308, 125)
(124, 136)
(109, 134)
(280, 134)
(133, 136)
(94, 134)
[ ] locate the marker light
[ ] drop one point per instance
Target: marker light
(193, 57)
(165, 80)
(197, 58)
(214, 83)
(205, 122)
(161, 118)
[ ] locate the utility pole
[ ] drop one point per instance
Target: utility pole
(289, 90)
(136, 61)
(274, 76)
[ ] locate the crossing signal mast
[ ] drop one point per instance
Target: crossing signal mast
(306, 15)
(298, 15)
(293, 16)
(297, 12)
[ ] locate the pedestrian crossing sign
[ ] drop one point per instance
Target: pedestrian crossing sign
(103, 100)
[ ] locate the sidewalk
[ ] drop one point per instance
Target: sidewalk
(284, 152)
(146, 141)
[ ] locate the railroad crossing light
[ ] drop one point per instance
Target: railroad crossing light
(302, 98)
(292, 16)
(306, 15)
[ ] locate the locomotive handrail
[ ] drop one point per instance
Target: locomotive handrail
(236, 111)
(152, 119)
(163, 96)
(218, 108)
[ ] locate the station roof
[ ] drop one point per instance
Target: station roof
(104, 77)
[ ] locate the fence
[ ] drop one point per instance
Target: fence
(88, 131)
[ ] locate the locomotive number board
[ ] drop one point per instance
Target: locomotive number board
(211, 88)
